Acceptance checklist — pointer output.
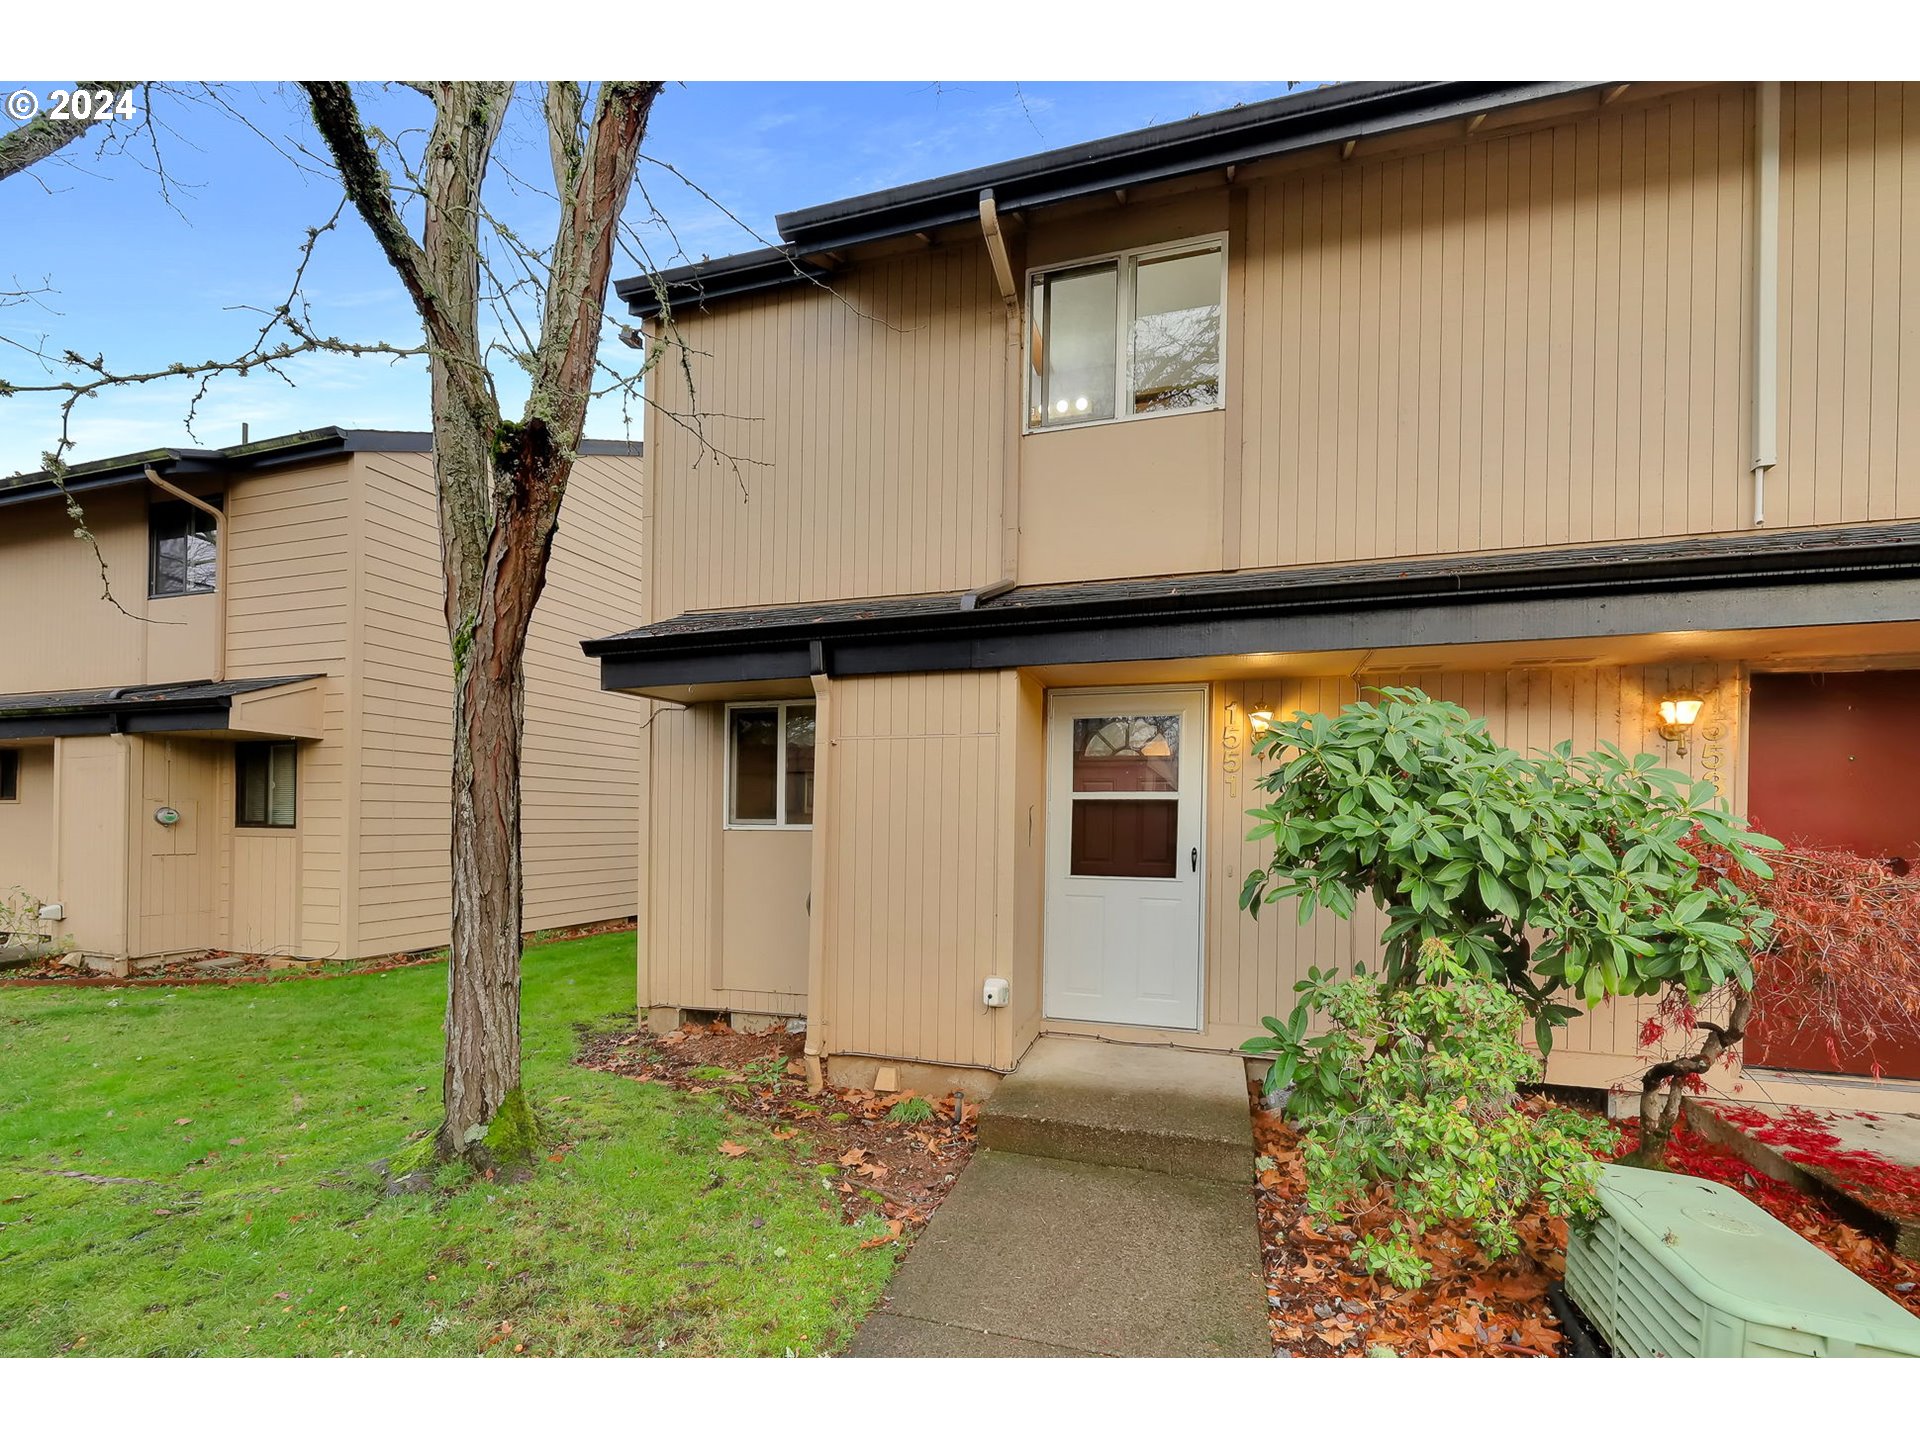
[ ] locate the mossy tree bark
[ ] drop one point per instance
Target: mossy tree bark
(500, 486)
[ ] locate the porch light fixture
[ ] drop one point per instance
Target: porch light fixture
(1261, 720)
(1678, 712)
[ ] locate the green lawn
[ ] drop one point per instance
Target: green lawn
(260, 1229)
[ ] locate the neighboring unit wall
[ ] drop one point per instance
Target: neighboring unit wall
(28, 827)
(1849, 298)
(868, 422)
(289, 575)
(176, 870)
(580, 814)
(62, 632)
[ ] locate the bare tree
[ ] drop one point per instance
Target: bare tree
(500, 482)
(500, 486)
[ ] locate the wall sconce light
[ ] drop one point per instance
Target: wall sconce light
(1261, 719)
(1677, 714)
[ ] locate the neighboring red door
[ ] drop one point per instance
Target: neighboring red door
(1832, 764)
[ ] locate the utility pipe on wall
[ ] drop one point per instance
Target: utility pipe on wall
(1766, 300)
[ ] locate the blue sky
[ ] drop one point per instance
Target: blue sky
(147, 278)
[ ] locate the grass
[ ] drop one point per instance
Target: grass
(260, 1228)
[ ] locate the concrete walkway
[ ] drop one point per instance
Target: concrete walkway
(1109, 1212)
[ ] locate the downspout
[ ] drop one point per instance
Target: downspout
(820, 875)
(995, 237)
(219, 568)
(1766, 307)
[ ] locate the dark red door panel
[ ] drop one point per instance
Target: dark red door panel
(1833, 763)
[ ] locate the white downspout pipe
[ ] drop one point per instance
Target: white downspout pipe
(1766, 307)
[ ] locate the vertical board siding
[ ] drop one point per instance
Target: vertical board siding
(687, 892)
(1253, 964)
(290, 611)
(582, 751)
(177, 868)
(916, 898)
(1850, 285)
(859, 439)
(1528, 340)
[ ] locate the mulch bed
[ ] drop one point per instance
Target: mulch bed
(223, 967)
(1320, 1303)
(898, 1169)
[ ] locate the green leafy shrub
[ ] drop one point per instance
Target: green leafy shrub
(911, 1111)
(1413, 1085)
(1559, 875)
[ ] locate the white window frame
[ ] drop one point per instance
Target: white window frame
(779, 822)
(1125, 262)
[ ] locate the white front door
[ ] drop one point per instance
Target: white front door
(1125, 792)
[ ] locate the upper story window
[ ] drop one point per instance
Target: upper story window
(1137, 333)
(770, 766)
(180, 550)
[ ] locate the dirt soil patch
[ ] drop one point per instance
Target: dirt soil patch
(225, 967)
(1321, 1303)
(895, 1155)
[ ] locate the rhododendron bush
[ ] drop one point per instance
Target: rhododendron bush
(1563, 877)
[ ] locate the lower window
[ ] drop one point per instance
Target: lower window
(9, 774)
(266, 784)
(770, 765)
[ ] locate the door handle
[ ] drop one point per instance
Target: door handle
(1194, 860)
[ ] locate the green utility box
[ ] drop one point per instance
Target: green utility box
(1685, 1267)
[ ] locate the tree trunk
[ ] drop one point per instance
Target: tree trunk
(1663, 1088)
(483, 990)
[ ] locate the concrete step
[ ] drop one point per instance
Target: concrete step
(1143, 1107)
(1038, 1257)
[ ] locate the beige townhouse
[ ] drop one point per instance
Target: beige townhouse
(1594, 407)
(245, 746)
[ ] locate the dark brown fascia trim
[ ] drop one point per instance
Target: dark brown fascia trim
(1793, 580)
(1286, 124)
(252, 458)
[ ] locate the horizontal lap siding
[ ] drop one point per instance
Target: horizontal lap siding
(582, 750)
(1253, 964)
(581, 818)
(1535, 339)
(860, 440)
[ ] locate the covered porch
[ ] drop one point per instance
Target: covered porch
(944, 919)
(130, 825)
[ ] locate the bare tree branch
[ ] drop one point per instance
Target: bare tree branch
(43, 135)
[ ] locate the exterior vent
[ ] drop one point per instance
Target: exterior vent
(1684, 1267)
